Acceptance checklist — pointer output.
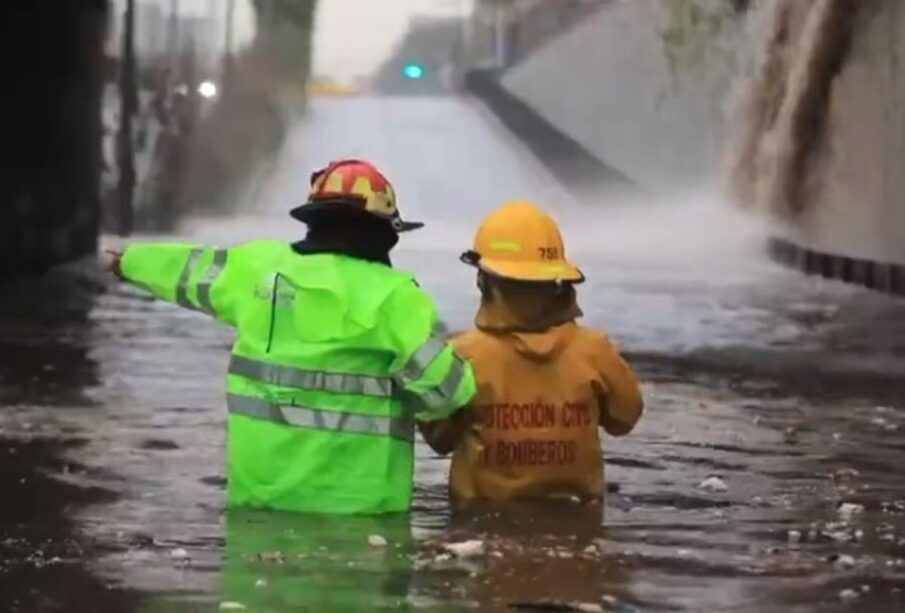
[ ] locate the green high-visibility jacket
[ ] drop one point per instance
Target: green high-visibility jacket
(333, 360)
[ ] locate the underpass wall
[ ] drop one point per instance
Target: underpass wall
(667, 95)
(51, 159)
(645, 86)
(848, 195)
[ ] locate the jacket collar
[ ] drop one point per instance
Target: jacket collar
(526, 308)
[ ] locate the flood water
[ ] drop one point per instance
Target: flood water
(789, 390)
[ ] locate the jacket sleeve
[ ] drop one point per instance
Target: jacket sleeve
(444, 435)
(191, 276)
(433, 380)
(621, 403)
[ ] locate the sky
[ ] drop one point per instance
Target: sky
(353, 37)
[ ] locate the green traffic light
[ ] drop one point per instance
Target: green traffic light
(413, 71)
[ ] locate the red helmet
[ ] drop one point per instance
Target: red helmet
(352, 185)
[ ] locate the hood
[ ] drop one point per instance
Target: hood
(346, 294)
(539, 321)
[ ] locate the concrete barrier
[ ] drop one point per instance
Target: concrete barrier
(661, 93)
(645, 91)
(576, 168)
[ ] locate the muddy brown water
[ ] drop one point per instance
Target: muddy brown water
(789, 390)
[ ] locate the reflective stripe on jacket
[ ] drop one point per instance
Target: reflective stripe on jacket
(333, 361)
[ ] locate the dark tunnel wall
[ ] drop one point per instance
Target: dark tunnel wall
(51, 132)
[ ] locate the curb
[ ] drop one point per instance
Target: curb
(567, 160)
(877, 276)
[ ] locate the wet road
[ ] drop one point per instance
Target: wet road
(790, 390)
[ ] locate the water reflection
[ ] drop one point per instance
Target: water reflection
(287, 561)
(542, 556)
(523, 557)
(46, 376)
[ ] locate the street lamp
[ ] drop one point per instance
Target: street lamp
(207, 89)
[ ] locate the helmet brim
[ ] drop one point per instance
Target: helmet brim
(563, 271)
(310, 212)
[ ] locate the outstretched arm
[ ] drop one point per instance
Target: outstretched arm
(191, 276)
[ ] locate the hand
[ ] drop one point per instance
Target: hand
(113, 262)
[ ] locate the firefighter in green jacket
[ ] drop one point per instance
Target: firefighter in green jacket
(336, 352)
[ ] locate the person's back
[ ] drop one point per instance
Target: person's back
(545, 385)
(359, 317)
(335, 353)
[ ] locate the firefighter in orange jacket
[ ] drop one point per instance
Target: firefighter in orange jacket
(545, 384)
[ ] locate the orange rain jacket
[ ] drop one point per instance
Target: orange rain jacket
(545, 386)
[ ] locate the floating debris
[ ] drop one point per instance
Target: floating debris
(842, 561)
(466, 549)
(232, 606)
(840, 536)
(794, 537)
(180, 555)
(790, 436)
(844, 475)
(849, 595)
(714, 485)
(847, 510)
(375, 540)
(261, 583)
(271, 557)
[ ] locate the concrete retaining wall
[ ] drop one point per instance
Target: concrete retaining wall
(643, 88)
(50, 169)
(662, 99)
(855, 204)
(572, 165)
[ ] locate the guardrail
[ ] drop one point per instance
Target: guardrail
(882, 277)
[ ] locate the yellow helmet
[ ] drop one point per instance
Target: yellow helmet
(520, 241)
